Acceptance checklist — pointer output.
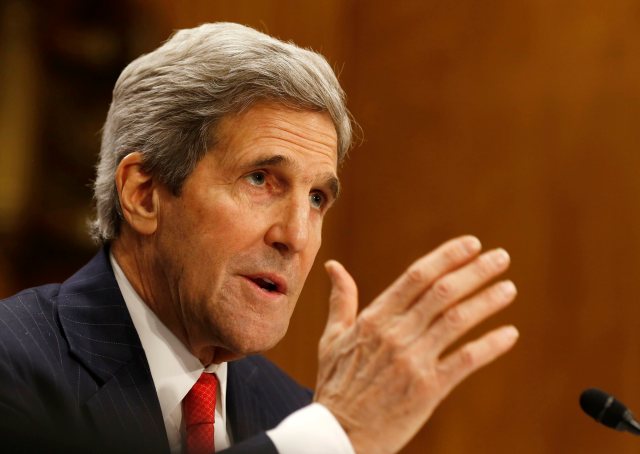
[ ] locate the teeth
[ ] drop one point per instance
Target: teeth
(268, 281)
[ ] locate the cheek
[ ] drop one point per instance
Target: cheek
(230, 212)
(315, 236)
(309, 256)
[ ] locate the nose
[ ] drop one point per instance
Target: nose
(289, 232)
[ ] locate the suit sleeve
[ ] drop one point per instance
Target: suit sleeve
(258, 444)
(310, 430)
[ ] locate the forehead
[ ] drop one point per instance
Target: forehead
(269, 128)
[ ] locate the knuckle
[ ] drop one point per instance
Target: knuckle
(486, 266)
(442, 290)
(424, 380)
(456, 317)
(467, 358)
(324, 348)
(416, 273)
(392, 340)
(495, 294)
(454, 253)
(367, 325)
(442, 373)
(407, 364)
(498, 294)
(494, 261)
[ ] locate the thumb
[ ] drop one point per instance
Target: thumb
(343, 300)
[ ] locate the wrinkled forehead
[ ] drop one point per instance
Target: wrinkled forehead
(268, 126)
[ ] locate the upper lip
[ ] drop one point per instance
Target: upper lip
(279, 281)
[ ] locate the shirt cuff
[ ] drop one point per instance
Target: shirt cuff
(310, 430)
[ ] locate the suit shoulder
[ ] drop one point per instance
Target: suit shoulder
(45, 292)
(27, 305)
(29, 327)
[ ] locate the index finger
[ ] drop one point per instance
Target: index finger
(422, 273)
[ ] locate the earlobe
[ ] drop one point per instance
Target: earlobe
(138, 195)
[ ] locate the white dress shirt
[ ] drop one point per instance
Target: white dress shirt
(174, 370)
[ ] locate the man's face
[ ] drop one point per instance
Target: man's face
(236, 246)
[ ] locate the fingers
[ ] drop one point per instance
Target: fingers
(474, 355)
(424, 272)
(460, 318)
(368, 364)
(455, 286)
(343, 300)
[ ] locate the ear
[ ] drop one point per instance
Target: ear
(138, 194)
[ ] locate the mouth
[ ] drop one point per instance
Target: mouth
(269, 283)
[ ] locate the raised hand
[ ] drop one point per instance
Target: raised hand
(382, 373)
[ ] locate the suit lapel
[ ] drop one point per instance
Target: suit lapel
(126, 410)
(260, 396)
(244, 412)
(102, 337)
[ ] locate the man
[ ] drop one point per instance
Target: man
(218, 164)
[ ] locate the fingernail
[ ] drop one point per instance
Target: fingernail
(472, 244)
(328, 267)
(501, 257)
(508, 288)
(510, 333)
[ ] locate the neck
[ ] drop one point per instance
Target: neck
(156, 284)
(136, 258)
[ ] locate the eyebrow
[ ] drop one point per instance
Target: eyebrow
(331, 181)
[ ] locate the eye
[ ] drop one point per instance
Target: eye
(257, 178)
(317, 199)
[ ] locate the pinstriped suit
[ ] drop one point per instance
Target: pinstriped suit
(72, 366)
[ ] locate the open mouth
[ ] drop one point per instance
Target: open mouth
(266, 284)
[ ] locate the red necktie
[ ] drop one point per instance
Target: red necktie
(199, 413)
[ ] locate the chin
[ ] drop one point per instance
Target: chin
(258, 341)
(262, 345)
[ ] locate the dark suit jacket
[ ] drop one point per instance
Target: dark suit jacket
(74, 376)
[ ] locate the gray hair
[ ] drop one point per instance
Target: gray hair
(167, 104)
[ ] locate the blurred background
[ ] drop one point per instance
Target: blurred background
(511, 120)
